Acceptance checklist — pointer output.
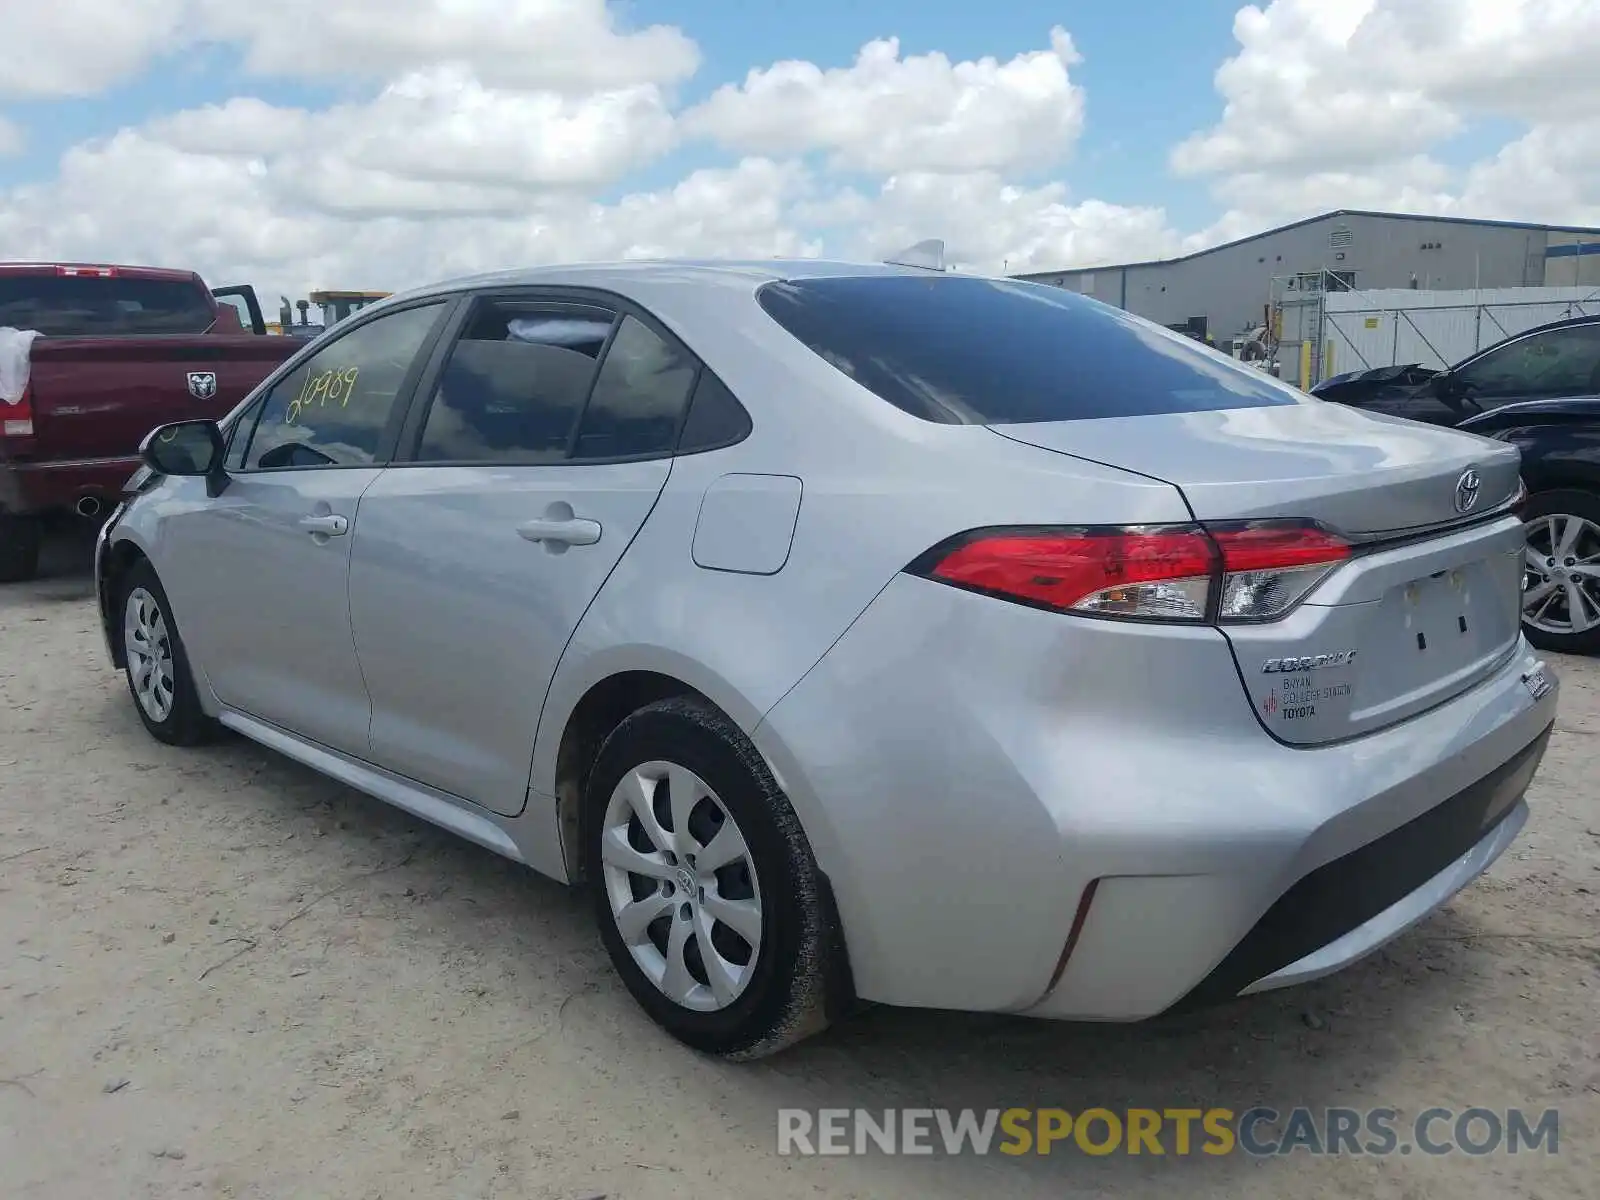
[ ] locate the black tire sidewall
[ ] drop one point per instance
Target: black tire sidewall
(695, 736)
(20, 539)
(1568, 502)
(187, 723)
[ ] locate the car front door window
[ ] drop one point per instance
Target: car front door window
(1562, 362)
(333, 409)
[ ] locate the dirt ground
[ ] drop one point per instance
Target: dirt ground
(222, 975)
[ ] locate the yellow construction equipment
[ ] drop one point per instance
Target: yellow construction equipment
(334, 306)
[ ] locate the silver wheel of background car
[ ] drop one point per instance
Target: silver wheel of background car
(148, 647)
(1561, 574)
(682, 886)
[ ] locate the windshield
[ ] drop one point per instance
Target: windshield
(94, 305)
(968, 350)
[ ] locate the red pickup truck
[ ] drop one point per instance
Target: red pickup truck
(121, 350)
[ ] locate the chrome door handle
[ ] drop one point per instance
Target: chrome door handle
(331, 525)
(569, 531)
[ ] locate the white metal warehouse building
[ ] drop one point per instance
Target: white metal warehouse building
(1230, 289)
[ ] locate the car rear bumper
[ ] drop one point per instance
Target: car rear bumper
(970, 773)
(49, 487)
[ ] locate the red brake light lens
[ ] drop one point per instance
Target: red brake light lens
(16, 420)
(1246, 572)
(1160, 573)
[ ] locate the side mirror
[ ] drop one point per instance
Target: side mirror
(187, 448)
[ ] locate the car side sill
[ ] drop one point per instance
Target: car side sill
(434, 807)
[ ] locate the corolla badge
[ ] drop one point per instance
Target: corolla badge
(1309, 662)
(1467, 490)
(202, 384)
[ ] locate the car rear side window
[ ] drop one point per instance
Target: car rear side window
(515, 383)
(638, 397)
(102, 305)
(716, 418)
(965, 350)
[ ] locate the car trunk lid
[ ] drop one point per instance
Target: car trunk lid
(1427, 605)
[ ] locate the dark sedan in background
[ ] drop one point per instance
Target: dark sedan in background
(1540, 391)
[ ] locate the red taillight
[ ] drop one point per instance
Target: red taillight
(1272, 547)
(1238, 572)
(73, 272)
(16, 420)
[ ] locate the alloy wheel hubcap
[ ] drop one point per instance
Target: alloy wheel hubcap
(1561, 575)
(148, 649)
(682, 886)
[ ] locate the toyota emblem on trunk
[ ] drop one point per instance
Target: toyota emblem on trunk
(1467, 490)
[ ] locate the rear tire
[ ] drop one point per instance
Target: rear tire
(157, 667)
(1549, 517)
(769, 982)
(20, 538)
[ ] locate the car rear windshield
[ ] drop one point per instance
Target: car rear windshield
(95, 305)
(970, 351)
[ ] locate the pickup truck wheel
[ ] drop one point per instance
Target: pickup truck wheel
(157, 667)
(1561, 571)
(19, 548)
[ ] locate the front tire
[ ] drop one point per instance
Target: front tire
(156, 665)
(708, 898)
(1561, 578)
(20, 539)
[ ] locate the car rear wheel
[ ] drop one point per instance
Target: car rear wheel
(19, 548)
(709, 901)
(157, 668)
(1561, 571)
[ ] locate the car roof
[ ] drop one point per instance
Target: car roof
(1547, 327)
(742, 274)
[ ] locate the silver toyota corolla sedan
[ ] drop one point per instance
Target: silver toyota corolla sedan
(858, 632)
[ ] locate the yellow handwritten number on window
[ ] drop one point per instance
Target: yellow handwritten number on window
(333, 384)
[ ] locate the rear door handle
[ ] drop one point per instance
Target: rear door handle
(569, 531)
(331, 525)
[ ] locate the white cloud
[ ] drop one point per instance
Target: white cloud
(1350, 103)
(885, 113)
(989, 224)
(79, 47)
(1550, 174)
(431, 143)
(471, 134)
(560, 45)
(476, 153)
(136, 198)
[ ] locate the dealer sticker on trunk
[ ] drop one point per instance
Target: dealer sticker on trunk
(1538, 682)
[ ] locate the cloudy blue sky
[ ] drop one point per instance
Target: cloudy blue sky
(376, 143)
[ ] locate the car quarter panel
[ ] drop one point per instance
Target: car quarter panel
(877, 488)
(974, 765)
